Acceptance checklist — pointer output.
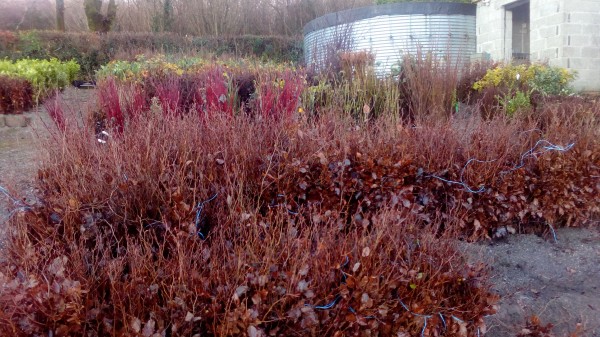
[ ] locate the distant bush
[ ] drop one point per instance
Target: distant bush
(143, 66)
(520, 101)
(551, 81)
(542, 78)
(8, 40)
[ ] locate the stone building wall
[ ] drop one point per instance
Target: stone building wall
(564, 33)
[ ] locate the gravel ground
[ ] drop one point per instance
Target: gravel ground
(557, 281)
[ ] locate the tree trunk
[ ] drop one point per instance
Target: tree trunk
(60, 15)
(111, 15)
(168, 16)
(98, 22)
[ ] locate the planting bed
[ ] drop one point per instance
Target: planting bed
(228, 217)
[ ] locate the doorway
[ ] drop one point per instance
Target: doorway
(520, 30)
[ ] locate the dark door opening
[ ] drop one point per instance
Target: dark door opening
(520, 31)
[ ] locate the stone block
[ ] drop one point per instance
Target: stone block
(587, 6)
(591, 52)
(590, 29)
(534, 56)
(537, 44)
(550, 20)
(587, 84)
(580, 63)
(14, 121)
(570, 52)
(583, 17)
(571, 29)
(545, 8)
(587, 77)
(549, 54)
(579, 40)
(548, 31)
(534, 34)
(554, 42)
(559, 62)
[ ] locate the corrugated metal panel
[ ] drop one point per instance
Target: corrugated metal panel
(389, 37)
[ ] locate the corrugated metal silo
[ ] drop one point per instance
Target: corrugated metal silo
(393, 30)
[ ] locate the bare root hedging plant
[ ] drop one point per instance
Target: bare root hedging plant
(261, 220)
(114, 248)
(277, 276)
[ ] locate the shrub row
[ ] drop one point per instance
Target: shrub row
(25, 81)
(92, 50)
(197, 86)
(422, 86)
(257, 87)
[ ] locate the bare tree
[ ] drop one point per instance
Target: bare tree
(193, 17)
(168, 15)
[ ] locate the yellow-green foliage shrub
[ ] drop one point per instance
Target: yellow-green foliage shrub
(541, 78)
(517, 84)
(45, 76)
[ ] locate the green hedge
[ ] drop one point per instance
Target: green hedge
(44, 75)
(92, 50)
(26, 81)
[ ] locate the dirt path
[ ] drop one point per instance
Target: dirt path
(557, 281)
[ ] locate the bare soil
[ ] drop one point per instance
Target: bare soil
(557, 281)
